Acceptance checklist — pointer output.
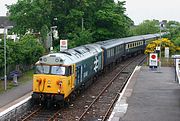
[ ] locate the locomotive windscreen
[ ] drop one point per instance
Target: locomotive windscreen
(54, 70)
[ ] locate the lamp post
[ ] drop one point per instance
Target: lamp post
(160, 28)
(5, 76)
(51, 36)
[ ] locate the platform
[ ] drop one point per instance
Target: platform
(149, 96)
(15, 95)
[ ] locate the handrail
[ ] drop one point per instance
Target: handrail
(177, 69)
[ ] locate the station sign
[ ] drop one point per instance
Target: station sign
(153, 60)
(63, 45)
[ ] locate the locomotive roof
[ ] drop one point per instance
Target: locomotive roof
(71, 56)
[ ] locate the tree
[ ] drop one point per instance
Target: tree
(164, 42)
(26, 51)
(99, 19)
(30, 15)
(147, 27)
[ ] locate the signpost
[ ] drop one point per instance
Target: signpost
(153, 60)
(63, 45)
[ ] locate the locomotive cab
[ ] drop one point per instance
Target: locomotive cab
(53, 81)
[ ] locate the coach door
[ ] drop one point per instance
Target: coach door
(78, 75)
(73, 76)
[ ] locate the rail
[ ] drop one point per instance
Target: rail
(87, 111)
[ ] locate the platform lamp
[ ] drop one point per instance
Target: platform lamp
(5, 76)
(161, 27)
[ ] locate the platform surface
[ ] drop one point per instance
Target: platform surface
(155, 96)
(149, 96)
(15, 95)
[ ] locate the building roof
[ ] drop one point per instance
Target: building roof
(4, 21)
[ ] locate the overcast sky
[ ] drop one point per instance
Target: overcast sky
(137, 10)
(3, 9)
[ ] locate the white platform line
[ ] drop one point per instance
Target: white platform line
(120, 97)
(14, 106)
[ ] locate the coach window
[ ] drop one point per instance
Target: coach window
(117, 50)
(126, 46)
(112, 52)
(108, 53)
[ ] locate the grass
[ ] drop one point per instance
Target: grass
(27, 76)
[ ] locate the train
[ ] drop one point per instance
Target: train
(60, 76)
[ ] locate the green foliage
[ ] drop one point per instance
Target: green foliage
(177, 41)
(164, 42)
(32, 49)
(30, 15)
(147, 27)
(25, 51)
(81, 38)
(97, 19)
(174, 30)
(111, 22)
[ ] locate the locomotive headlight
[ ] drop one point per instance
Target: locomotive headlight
(59, 83)
(44, 59)
(56, 60)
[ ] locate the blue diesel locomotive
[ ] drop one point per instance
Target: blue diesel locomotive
(59, 76)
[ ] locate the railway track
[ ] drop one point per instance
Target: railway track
(40, 114)
(95, 103)
(101, 106)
